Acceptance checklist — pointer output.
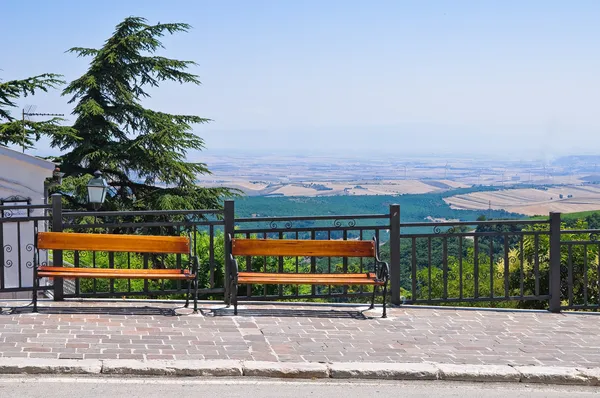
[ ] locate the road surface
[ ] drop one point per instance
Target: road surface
(78, 387)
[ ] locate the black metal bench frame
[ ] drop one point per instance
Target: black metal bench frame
(381, 275)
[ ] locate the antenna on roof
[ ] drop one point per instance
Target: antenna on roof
(28, 111)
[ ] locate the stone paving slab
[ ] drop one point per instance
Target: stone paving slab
(103, 330)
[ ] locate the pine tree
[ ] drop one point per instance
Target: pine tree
(25, 133)
(141, 152)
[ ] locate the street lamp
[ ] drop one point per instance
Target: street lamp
(97, 188)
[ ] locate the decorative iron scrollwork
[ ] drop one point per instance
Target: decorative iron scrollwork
(29, 264)
(8, 249)
(594, 236)
(438, 230)
(340, 223)
(274, 225)
(7, 213)
(29, 247)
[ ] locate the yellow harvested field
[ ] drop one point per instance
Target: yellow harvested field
(293, 190)
(398, 187)
(250, 185)
(531, 201)
(378, 187)
(455, 184)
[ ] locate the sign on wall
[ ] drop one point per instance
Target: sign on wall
(15, 201)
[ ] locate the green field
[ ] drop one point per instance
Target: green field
(413, 208)
(571, 216)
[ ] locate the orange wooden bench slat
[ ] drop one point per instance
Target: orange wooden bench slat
(113, 243)
(309, 281)
(303, 248)
(370, 275)
(112, 275)
(115, 270)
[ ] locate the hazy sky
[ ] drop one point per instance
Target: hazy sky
(495, 77)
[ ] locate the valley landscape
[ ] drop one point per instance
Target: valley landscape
(568, 184)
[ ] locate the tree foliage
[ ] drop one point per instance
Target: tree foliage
(141, 152)
(25, 133)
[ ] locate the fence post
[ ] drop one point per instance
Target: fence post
(57, 255)
(555, 278)
(229, 219)
(395, 253)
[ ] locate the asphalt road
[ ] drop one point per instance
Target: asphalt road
(78, 387)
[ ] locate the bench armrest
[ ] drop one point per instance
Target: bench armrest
(194, 264)
(384, 270)
(234, 269)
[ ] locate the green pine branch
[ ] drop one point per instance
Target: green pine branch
(25, 133)
(142, 152)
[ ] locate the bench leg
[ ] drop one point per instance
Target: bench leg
(187, 296)
(233, 294)
(228, 297)
(196, 294)
(35, 290)
(375, 287)
(384, 299)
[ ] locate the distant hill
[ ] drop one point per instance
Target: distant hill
(591, 178)
(576, 161)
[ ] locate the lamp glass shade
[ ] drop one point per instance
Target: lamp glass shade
(97, 189)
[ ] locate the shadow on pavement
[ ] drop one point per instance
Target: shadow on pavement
(284, 312)
(148, 311)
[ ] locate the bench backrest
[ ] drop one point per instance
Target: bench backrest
(113, 243)
(303, 248)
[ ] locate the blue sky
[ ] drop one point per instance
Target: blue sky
(500, 78)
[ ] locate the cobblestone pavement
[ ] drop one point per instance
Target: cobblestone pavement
(285, 332)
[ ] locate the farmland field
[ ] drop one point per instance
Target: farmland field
(326, 188)
(532, 201)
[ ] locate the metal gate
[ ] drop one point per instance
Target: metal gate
(19, 220)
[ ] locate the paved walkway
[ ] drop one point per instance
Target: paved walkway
(294, 333)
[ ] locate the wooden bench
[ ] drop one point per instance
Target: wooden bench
(116, 243)
(307, 248)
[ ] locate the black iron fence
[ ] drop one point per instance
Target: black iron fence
(18, 221)
(512, 263)
(489, 262)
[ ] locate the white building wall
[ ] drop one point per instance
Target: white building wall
(21, 175)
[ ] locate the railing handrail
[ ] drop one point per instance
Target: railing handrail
(472, 223)
(313, 218)
(32, 207)
(73, 214)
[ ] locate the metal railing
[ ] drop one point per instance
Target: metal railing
(474, 262)
(510, 263)
(579, 269)
(18, 222)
